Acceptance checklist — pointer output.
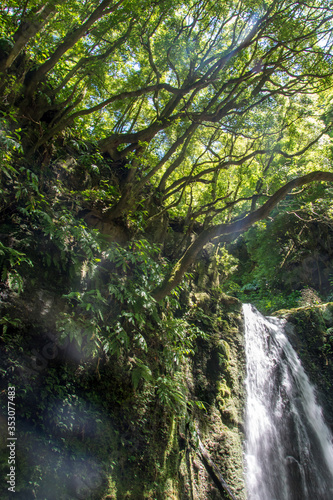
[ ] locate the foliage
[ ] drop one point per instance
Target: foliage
(10, 259)
(169, 78)
(171, 122)
(115, 314)
(200, 116)
(327, 347)
(282, 260)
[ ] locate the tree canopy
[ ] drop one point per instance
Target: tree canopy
(207, 112)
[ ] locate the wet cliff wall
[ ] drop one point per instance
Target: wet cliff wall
(93, 424)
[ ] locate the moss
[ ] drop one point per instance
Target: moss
(218, 373)
(111, 493)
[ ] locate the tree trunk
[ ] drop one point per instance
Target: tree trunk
(26, 31)
(70, 40)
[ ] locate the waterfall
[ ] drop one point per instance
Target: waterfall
(288, 447)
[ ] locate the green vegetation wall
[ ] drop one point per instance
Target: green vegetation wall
(115, 396)
(137, 141)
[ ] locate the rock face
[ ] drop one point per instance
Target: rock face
(212, 430)
(99, 438)
(215, 377)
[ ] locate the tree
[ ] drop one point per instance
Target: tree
(206, 110)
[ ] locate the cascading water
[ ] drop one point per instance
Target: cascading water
(289, 448)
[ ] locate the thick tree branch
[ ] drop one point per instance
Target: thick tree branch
(108, 144)
(70, 40)
(26, 31)
(237, 226)
(85, 62)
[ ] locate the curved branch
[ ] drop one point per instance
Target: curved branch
(85, 62)
(70, 40)
(238, 226)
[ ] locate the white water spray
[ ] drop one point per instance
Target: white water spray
(289, 448)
